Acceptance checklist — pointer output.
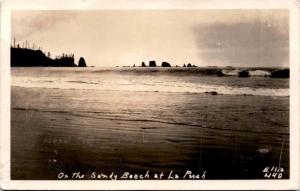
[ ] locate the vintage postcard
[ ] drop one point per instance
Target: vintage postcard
(149, 94)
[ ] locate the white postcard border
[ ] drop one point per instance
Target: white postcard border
(9, 5)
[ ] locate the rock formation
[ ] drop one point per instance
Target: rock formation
(143, 64)
(243, 73)
(152, 63)
(165, 64)
(81, 62)
(285, 73)
(212, 93)
(24, 57)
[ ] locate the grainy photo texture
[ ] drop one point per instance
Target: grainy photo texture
(149, 94)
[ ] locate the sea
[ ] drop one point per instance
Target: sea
(173, 122)
(180, 80)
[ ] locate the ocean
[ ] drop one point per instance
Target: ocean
(161, 120)
(176, 80)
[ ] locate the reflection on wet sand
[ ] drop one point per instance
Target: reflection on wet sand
(70, 131)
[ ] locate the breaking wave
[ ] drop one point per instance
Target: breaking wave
(152, 85)
(190, 71)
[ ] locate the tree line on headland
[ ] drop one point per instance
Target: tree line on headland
(27, 55)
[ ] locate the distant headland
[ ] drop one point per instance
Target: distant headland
(30, 56)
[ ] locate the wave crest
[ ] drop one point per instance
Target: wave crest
(153, 85)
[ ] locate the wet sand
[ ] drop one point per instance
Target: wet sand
(228, 136)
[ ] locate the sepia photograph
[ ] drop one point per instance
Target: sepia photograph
(150, 94)
(201, 93)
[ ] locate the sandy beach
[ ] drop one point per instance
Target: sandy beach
(225, 136)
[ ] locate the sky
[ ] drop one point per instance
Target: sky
(245, 38)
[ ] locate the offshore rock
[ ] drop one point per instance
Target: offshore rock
(285, 73)
(152, 63)
(81, 62)
(165, 64)
(243, 74)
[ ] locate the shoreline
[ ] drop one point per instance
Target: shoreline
(58, 131)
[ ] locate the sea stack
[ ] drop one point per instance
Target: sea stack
(143, 64)
(165, 64)
(81, 62)
(152, 63)
(243, 73)
(285, 73)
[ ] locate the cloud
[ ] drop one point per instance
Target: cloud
(204, 37)
(261, 41)
(27, 23)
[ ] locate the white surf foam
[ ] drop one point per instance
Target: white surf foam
(153, 85)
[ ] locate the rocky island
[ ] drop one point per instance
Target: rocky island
(26, 57)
